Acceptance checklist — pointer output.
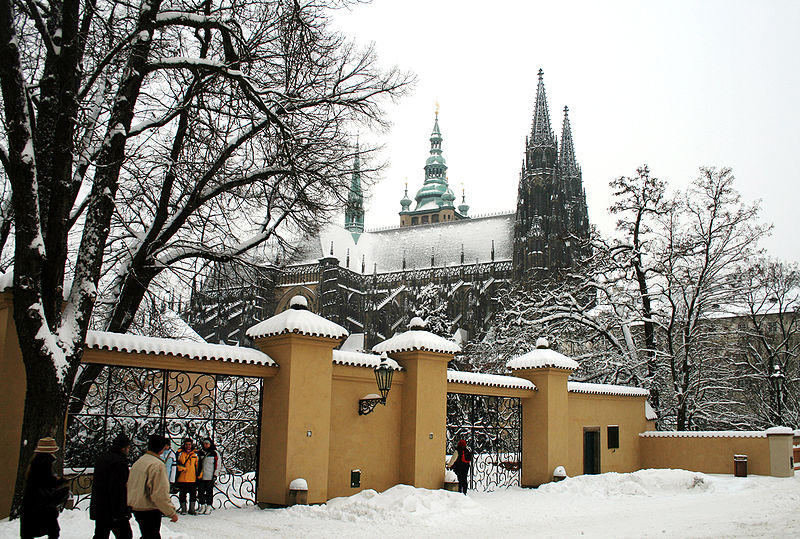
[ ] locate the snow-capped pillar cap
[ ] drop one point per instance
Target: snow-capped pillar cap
(542, 358)
(300, 320)
(417, 323)
(772, 431)
(299, 303)
(542, 342)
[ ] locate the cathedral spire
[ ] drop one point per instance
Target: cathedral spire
(541, 132)
(541, 149)
(566, 158)
(354, 211)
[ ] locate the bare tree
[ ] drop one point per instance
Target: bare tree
(766, 334)
(155, 134)
(639, 201)
(705, 237)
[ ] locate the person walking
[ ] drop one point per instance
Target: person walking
(460, 462)
(148, 489)
(188, 465)
(209, 464)
(109, 504)
(44, 494)
(168, 456)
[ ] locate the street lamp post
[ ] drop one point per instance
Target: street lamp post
(777, 380)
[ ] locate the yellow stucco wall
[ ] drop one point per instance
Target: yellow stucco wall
(12, 402)
(591, 410)
(708, 455)
(369, 443)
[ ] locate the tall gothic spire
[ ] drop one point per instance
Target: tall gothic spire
(541, 148)
(354, 211)
(566, 159)
(541, 133)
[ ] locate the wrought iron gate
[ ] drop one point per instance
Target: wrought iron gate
(492, 427)
(141, 402)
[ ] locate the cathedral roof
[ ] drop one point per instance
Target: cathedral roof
(386, 249)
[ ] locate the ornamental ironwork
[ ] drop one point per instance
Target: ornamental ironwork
(492, 428)
(141, 402)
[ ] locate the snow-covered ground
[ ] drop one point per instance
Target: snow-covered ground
(647, 503)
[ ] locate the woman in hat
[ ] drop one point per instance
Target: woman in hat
(43, 495)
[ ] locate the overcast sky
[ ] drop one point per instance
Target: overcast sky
(675, 85)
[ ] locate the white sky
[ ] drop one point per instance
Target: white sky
(673, 84)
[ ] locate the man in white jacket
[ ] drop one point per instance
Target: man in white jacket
(148, 489)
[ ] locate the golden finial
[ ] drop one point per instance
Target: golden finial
(437, 107)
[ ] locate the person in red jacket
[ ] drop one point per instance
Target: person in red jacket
(188, 464)
(460, 463)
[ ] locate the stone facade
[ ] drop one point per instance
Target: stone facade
(370, 280)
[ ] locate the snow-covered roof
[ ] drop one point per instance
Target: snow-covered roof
(354, 343)
(360, 359)
(384, 249)
(540, 358)
(649, 413)
(491, 380)
(125, 342)
(415, 339)
(297, 320)
(606, 389)
(7, 279)
(705, 434)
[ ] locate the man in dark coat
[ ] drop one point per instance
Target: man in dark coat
(109, 503)
(44, 494)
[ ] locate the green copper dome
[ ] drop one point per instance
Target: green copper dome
(405, 202)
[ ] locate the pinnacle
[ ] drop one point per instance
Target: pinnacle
(541, 133)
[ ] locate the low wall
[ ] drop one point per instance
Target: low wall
(707, 452)
(369, 443)
(588, 411)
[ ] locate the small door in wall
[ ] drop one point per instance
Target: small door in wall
(591, 450)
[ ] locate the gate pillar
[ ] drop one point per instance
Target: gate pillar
(296, 403)
(545, 416)
(423, 423)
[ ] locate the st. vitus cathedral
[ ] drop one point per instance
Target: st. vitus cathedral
(370, 281)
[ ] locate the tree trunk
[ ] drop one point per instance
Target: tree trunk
(45, 406)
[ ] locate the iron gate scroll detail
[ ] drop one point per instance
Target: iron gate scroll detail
(141, 402)
(492, 427)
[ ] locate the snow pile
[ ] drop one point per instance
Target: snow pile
(642, 483)
(298, 484)
(415, 339)
(491, 380)
(399, 504)
(606, 389)
(648, 503)
(7, 280)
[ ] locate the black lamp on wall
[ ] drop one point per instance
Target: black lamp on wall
(383, 376)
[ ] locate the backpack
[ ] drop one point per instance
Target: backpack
(466, 456)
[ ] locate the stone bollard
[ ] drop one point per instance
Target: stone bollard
(559, 474)
(298, 492)
(450, 481)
